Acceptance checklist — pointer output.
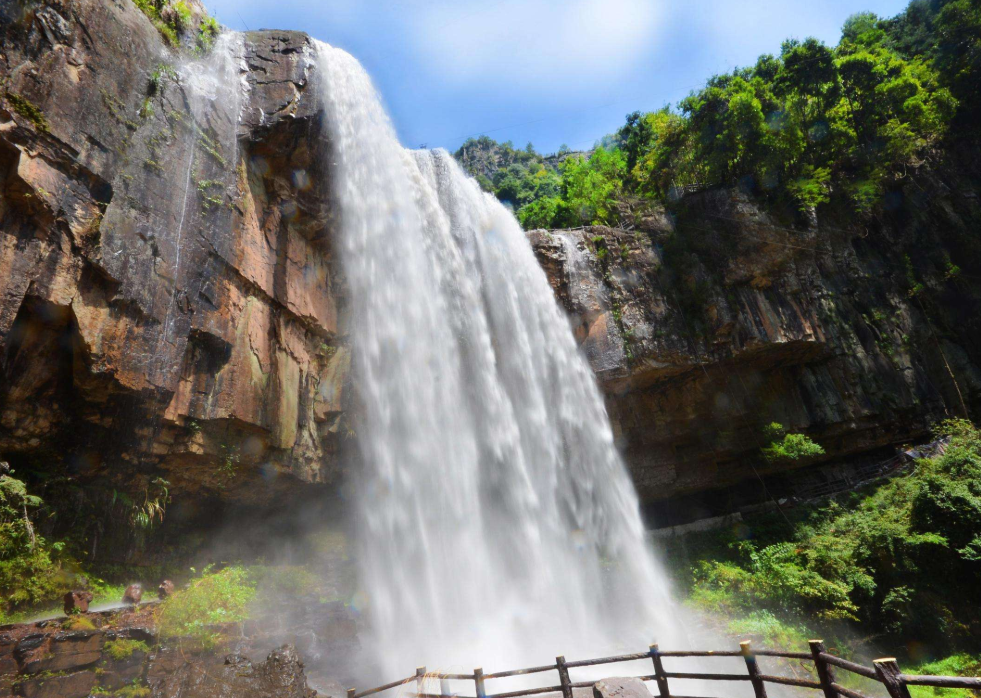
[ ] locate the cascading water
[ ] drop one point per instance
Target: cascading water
(500, 525)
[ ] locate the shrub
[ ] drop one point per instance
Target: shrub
(901, 557)
(182, 16)
(208, 32)
(211, 599)
(30, 572)
(790, 446)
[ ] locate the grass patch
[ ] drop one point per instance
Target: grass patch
(772, 631)
(78, 623)
(954, 665)
(212, 599)
(124, 648)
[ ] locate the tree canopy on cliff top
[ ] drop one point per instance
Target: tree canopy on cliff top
(809, 124)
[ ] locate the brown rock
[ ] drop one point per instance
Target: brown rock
(8, 665)
(280, 675)
(77, 601)
(698, 345)
(165, 589)
(625, 687)
(77, 685)
(59, 652)
(237, 345)
(133, 594)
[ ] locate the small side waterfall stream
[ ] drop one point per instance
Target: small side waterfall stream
(500, 525)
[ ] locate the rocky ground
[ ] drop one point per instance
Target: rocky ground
(283, 653)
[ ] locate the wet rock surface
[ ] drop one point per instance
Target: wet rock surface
(271, 656)
(168, 300)
(628, 687)
(707, 325)
(279, 676)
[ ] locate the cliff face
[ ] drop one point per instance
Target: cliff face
(168, 301)
(706, 325)
(170, 305)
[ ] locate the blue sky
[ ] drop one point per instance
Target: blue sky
(545, 71)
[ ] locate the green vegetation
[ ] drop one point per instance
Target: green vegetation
(516, 177)
(152, 9)
(77, 622)
(145, 514)
(208, 32)
(812, 125)
(134, 690)
(174, 19)
(161, 72)
(28, 110)
(209, 600)
(955, 665)
(898, 561)
(124, 648)
(788, 447)
(30, 566)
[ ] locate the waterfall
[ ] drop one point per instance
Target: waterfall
(500, 526)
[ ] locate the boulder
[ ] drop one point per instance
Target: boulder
(165, 589)
(77, 601)
(621, 687)
(133, 594)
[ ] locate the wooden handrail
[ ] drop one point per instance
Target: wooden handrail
(941, 681)
(861, 670)
(884, 671)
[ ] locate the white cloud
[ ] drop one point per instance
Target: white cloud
(545, 44)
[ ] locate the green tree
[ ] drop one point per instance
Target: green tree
(590, 187)
(29, 570)
(958, 54)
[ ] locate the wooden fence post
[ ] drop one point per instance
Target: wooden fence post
(351, 692)
(564, 677)
(753, 668)
(826, 674)
(478, 680)
(444, 688)
(420, 673)
(662, 680)
(888, 672)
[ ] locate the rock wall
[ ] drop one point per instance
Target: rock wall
(708, 324)
(169, 305)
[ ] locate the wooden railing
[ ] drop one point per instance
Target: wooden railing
(884, 671)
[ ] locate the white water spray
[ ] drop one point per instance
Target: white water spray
(500, 525)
